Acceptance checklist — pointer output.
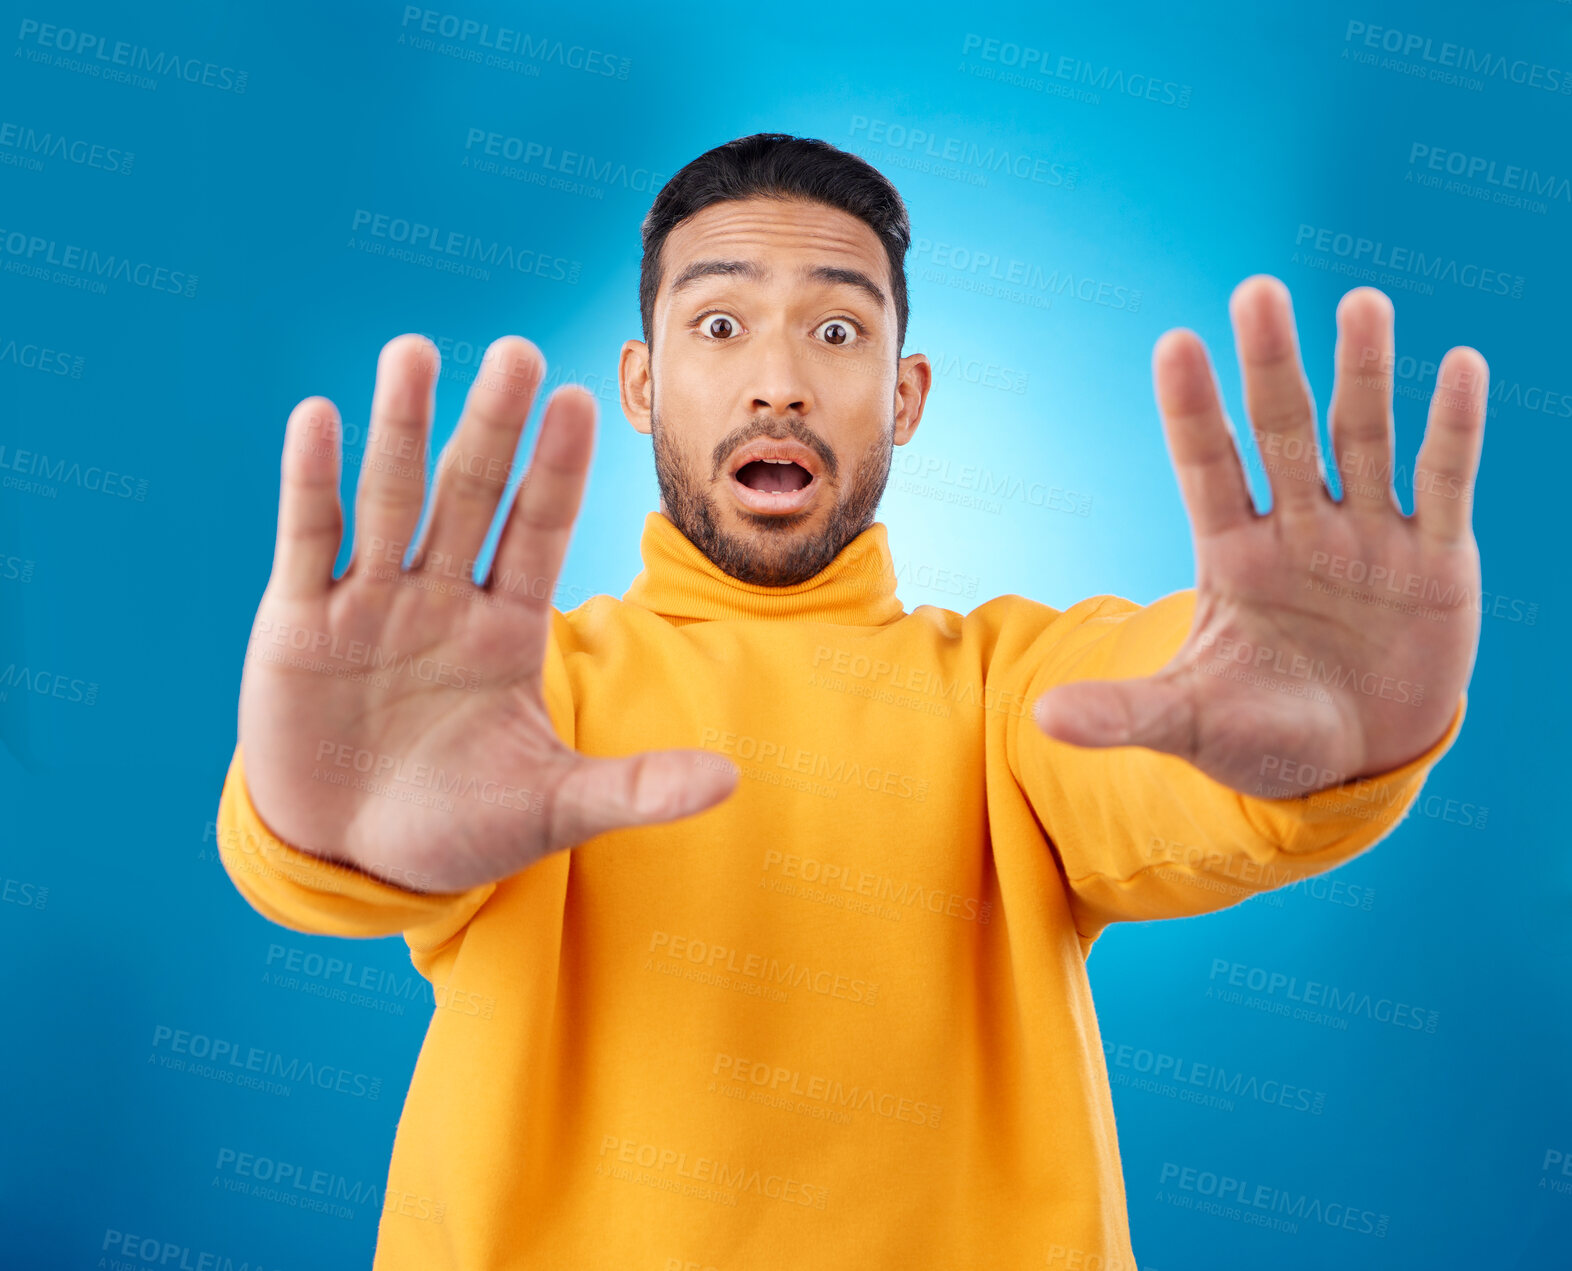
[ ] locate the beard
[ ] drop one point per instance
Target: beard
(779, 553)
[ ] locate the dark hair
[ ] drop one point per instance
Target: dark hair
(778, 165)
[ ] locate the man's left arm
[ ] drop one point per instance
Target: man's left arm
(1140, 834)
(1290, 706)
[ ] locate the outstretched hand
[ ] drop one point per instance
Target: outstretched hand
(395, 718)
(1330, 635)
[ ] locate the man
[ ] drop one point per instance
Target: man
(810, 990)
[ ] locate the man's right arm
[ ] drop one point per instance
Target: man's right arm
(316, 895)
(406, 732)
(321, 896)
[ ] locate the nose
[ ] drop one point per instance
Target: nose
(780, 384)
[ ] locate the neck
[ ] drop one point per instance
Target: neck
(856, 588)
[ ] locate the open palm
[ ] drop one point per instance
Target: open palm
(394, 718)
(1333, 635)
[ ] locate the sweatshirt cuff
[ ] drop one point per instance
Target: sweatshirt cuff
(310, 893)
(1308, 823)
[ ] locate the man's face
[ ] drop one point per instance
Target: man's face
(775, 389)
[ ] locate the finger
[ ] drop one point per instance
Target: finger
(1361, 411)
(392, 485)
(599, 795)
(475, 465)
(1448, 460)
(310, 520)
(1200, 440)
(1276, 394)
(1155, 711)
(535, 538)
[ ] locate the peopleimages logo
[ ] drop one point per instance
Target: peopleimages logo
(31, 463)
(415, 782)
(1031, 276)
(32, 256)
(1028, 62)
(917, 142)
(1415, 376)
(108, 59)
(855, 879)
(320, 1191)
(46, 684)
(1187, 1079)
(41, 358)
(1505, 177)
(843, 1097)
(1253, 1201)
(1256, 657)
(289, 1183)
(335, 979)
(1006, 486)
(505, 44)
(1561, 1162)
(450, 247)
(666, 949)
(1445, 61)
(327, 654)
(155, 1252)
(483, 144)
(31, 146)
(225, 1060)
(826, 767)
(726, 1175)
(13, 891)
(1313, 993)
(1360, 257)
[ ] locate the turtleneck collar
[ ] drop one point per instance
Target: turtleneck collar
(856, 589)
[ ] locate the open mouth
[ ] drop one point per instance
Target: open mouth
(775, 476)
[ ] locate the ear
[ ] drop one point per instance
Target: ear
(633, 380)
(911, 394)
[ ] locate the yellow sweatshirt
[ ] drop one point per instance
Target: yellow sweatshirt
(842, 1020)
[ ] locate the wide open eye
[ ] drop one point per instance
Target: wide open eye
(840, 332)
(718, 325)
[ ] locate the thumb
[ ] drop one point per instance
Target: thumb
(599, 795)
(1155, 711)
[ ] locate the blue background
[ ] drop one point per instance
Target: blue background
(109, 805)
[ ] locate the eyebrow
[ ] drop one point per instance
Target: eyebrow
(754, 273)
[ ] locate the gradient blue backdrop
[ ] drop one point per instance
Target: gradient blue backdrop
(108, 803)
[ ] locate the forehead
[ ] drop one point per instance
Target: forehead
(790, 231)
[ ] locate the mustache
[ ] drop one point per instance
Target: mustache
(777, 428)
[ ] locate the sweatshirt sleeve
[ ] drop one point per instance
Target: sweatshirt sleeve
(308, 893)
(1140, 835)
